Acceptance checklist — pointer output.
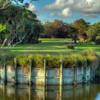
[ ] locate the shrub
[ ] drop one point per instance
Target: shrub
(90, 56)
(7, 59)
(69, 61)
(23, 60)
(2, 61)
(80, 60)
(70, 46)
(10, 60)
(81, 40)
(53, 61)
(35, 60)
(38, 61)
(74, 60)
(97, 41)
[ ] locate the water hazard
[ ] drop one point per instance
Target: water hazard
(22, 92)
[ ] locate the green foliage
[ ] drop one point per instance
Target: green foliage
(97, 40)
(3, 28)
(53, 61)
(38, 61)
(90, 56)
(78, 60)
(74, 60)
(23, 60)
(22, 26)
(7, 59)
(81, 25)
(93, 31)
(2, 61)
(33, 60)
(55, 29)
(71, 46)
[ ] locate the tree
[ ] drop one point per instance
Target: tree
(21, 24)
(48, 31)
(72, 31)
(3, 30)
(93, 31)
(97, 40)
(59, 29)
(81, 25)
(4, 4)
(55, 29)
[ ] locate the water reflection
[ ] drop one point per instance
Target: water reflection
(98, 97)
(87, 92)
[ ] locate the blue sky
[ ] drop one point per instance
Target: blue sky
(67, 10)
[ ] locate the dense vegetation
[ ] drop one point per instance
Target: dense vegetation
(78, 31)
(87, 57)
(18, 25)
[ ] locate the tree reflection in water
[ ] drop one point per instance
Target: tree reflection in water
(23, 92)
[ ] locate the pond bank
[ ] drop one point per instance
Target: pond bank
(50, 70)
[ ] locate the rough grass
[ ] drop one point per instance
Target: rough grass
(52, 46)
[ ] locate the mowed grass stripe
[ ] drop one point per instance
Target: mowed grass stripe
(52, 46)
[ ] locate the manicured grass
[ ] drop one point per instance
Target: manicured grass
(53, 46)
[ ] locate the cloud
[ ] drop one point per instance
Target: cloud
(88, 7)
(66, 12)
(31, 7)
(59, 4)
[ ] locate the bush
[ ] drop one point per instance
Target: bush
(70, 60)
(38, 61)
(74, 60)
(7, 59)
(77, 60)
(53, 61)
(90, 56)
(35, 60)
(23, 60)
(70, 46)
(81, 40)
(10, 60)
(97, 41)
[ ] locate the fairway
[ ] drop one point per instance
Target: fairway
(52, 46)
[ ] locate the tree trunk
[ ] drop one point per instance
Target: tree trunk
(4, 42)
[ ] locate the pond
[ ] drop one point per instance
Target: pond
(23, 92)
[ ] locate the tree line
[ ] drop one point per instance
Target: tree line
(78, 31)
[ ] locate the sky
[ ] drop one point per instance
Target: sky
(66, 10)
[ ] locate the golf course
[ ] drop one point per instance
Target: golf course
(53, 46)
